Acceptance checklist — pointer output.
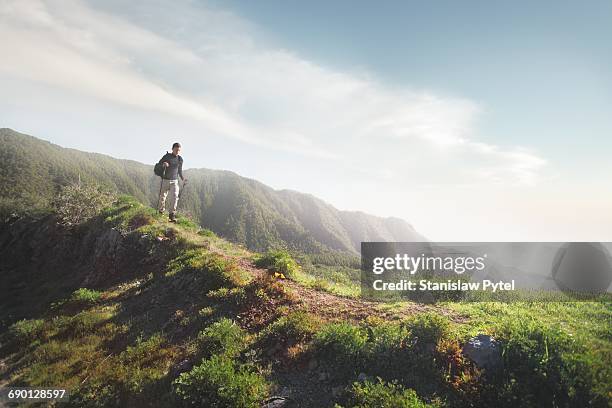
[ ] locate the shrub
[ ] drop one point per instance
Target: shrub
(142, 350)
(541, 368)
(278, 261)
(223, 337)
(205, 232)
(212, 269)
(218, 382)
(297, 325)
(341, 344)
(85, 295)
(25, 331)
(428, 328)
(76, 203)
(384, 395)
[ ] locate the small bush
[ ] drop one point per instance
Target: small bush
(298, 326)
(25, 331)
(212, 269)
(278, 261)
(341, 344)
(85, 295)
(234, 296)
(218, 382)
(384, 395)
(223, 337)
(541, 368)
(428, 328)
(76, 203)
(142, 350)
(205, 232)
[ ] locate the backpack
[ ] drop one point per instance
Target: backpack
(159, 169)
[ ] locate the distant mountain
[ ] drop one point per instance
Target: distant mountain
(238, 208)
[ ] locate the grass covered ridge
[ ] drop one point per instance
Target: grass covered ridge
(199, 324)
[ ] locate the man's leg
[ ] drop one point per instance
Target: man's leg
(174, 197)
(164, 193)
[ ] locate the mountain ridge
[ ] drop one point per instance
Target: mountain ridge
(239, 208)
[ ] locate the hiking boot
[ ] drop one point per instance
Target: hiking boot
(172, 217)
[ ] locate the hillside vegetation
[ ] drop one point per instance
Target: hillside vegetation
(242, 210)
(126, 309)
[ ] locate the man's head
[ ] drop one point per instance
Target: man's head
(176, 148)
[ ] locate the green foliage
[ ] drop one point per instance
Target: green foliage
(297, 326)
(543, 366)
(219, 382)
(224, 337)
(384, 395)
(85, 295)
(143, 349)
(205, 232)
(428, 328)
(279, 261)
(212, 268)
(76, 203)
(341, 344)
(25, 331)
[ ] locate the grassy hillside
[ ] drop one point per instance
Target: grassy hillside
(240, 209)
(129, 310)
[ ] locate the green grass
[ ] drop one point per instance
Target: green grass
(120, 345)
(384, 395)
(85, 295)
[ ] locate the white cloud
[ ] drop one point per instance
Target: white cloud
(213, 68)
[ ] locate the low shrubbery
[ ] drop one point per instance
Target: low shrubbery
(543, 366)
(341, 344)
(220, 382)
(214, 270)
(76, 203)
(404, 351)
(224, 337)
(84, 295)
(383, 395)
(295, 326)
(279, 261)
(25, 331)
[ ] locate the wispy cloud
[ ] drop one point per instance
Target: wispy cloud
(213, 68)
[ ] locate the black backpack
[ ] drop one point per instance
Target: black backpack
(159, 169)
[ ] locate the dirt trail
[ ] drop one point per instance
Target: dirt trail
(335, 307)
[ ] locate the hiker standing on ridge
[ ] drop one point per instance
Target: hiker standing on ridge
(173, 169)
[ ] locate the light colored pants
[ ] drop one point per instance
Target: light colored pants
(172, 187)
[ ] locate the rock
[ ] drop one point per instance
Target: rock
(484, 351)
(362, 377)
(181, 367)
(276, 402)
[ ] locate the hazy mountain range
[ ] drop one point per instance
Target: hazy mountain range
(238, 208)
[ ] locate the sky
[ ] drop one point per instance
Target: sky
(474, 120)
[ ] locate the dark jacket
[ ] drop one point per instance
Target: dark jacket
(176, 166)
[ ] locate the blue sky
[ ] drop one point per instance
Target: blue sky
(530, 63)
(472, 120)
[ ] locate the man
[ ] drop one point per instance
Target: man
(173, 164)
